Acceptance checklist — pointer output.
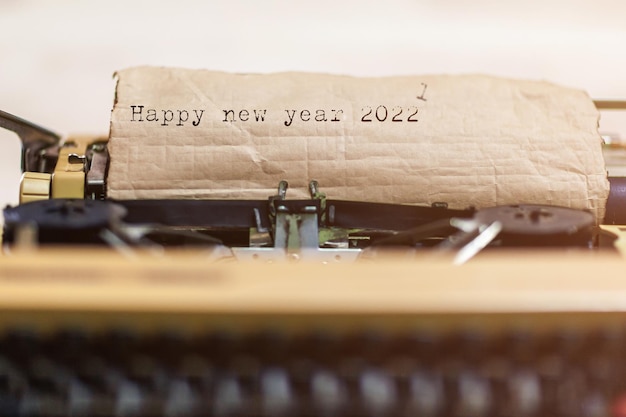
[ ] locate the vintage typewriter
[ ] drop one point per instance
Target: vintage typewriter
(282, 307)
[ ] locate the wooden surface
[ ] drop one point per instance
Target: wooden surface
(74, 285)
(502, 282)
(78, 279)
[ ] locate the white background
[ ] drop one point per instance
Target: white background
(57, 57)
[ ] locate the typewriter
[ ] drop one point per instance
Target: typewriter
(282, 307)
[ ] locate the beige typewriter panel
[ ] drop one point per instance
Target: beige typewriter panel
(98, 288)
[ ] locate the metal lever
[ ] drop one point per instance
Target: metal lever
(96, 175)
(486, 234)
(472, 237)
(34, 138)
(282, 190)
(296, 231)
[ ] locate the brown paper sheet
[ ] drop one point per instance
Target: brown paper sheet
(468, 140)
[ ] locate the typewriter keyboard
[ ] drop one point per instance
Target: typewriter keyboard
(270, 373)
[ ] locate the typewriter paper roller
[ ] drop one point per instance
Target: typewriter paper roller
(468, 140)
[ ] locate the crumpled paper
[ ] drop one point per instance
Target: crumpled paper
(467, 140)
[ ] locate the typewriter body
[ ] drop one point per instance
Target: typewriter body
(300, 307)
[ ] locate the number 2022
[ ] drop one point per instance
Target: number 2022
(397, 114)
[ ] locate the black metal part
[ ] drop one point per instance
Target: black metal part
(62, 220)
(419, 235)
(296, 206)
(540, 225)
(340, 213)
(382, 216)
(75, 221)
(230, 220)
(616, 203)
(34, 139)
(236, 214)
(218, 214)
(96, 171)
